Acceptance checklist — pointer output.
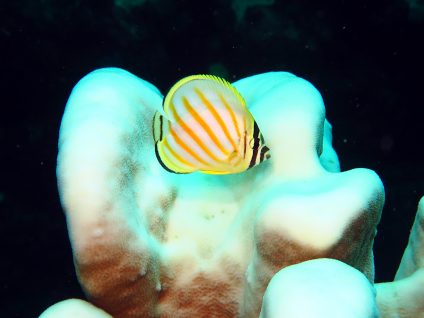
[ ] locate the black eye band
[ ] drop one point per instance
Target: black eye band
(255, 144)
(264, 151)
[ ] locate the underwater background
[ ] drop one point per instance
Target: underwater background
(365, 57)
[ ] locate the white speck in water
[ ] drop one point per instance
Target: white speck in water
(158, 286)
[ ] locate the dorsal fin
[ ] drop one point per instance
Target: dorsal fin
(216, 79)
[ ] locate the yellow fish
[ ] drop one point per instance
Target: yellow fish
(208, 129)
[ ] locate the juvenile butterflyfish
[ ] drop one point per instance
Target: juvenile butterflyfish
(205, 126)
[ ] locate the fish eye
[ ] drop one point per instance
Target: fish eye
(253, 141)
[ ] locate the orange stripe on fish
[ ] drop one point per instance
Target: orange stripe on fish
(204, 125)
(217, 117)
(232, 115)
(174, 154)
(192, 134)
(186, 148)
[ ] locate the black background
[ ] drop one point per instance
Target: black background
(365, 57)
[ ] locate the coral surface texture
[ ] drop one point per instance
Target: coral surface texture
(291, 237)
